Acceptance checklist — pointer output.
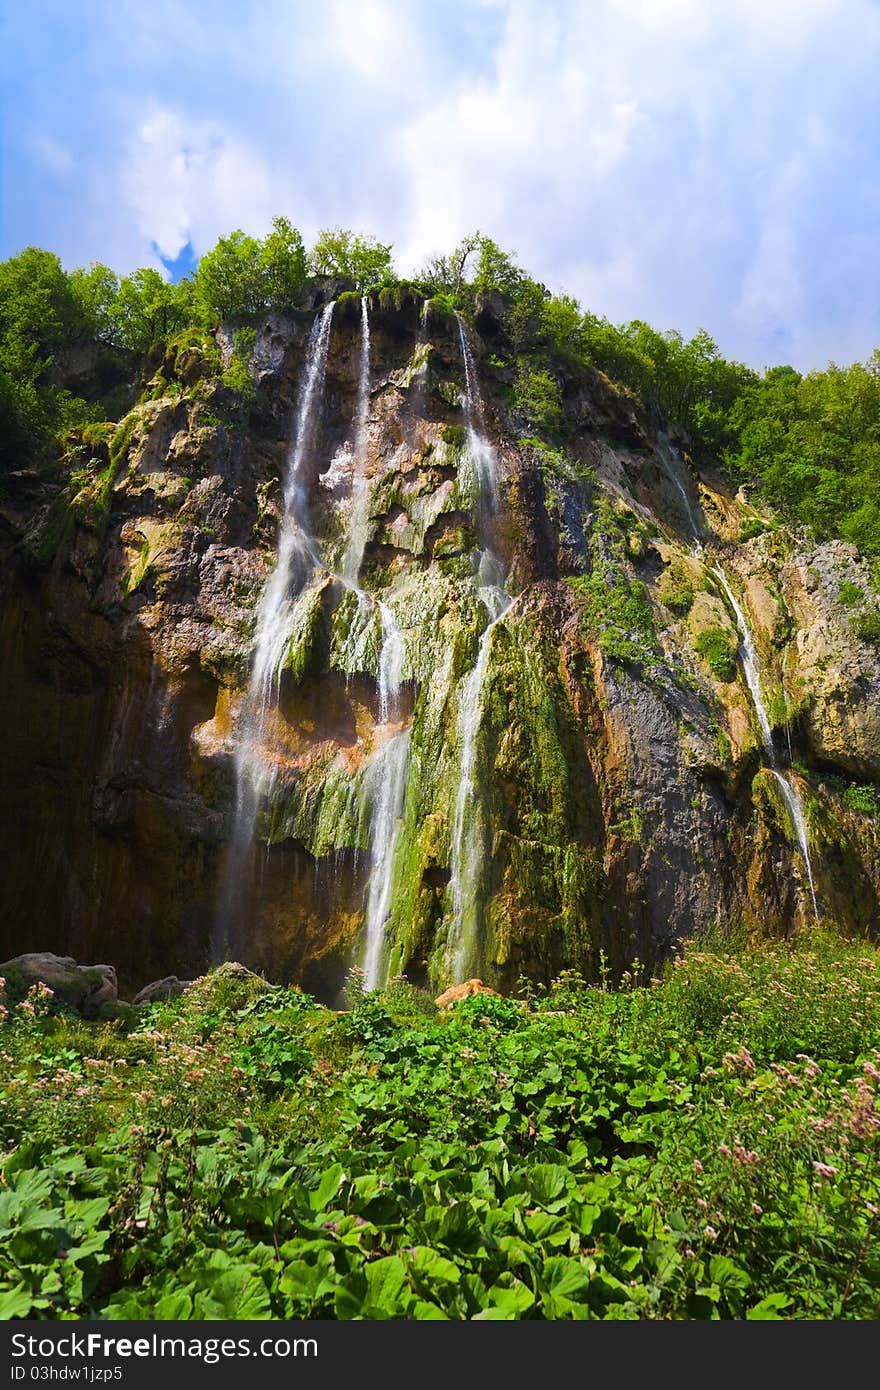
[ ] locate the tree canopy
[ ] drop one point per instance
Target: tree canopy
(810, 443)
(362, 259)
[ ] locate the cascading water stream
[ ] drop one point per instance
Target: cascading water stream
(387, 779)
(481, 455)
(467, 831)
(664, 451)
(790, 794)
(297, 556)
(387, 775)
(358, 518)
(748, 656)
(297, 550)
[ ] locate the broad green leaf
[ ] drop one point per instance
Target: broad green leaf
(174, 1307)
(236, 1294)
(331, 1181)
(427, 1262)
(769, 1309)
(15, 1303)
(385, 1279)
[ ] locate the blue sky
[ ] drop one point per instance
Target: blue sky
(709, 163)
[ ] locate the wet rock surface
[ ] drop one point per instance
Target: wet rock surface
(620, 803)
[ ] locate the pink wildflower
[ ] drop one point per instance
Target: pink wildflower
(825, 1170)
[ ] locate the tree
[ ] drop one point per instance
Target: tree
(37, 304)
(282, 265)
(95, 290)
(229, 280)
(242, 276)
(148, 309)
(446, 274)
(39, 314)
(364, 260)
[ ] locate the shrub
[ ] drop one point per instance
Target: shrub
(718, 647)
(677, 590)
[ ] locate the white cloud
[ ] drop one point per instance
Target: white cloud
(661, 158)
(193, 182)
(691, 162)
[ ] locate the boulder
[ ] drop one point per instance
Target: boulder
(167, 988)
(455, 993)
(85, 988)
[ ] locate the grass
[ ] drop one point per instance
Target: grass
(699, 1146)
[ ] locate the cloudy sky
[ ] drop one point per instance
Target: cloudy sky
(709, 163)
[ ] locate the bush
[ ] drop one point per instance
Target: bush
(677, 590)
(701, 1147)
(719, 647)
(867, 625)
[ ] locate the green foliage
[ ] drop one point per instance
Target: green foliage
(701, 1147)
(96, 290)
(865, 800)
(753, 526)
(677, 589)
(39, 315)
(615, 605)
(237, 375)
(242, 276)
(148, 309)
(537, 399)
(812, 443)
(867, 625)
(359, 258)
(850, 595)
(718, 647)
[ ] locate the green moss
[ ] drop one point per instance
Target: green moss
(307, 646)
(718, 648)
(616, 606)
(867, 626)
(453, 435)
(750, 528)
(676, 589)
(850, 595)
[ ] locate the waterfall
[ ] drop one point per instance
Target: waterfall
(387, 789)
(386, 786)
(467, 830)
(358, 518)
(787, 785)
(297, 556)
(467, 833)
(480, 454)
(390, 663)
(748, 656)
(387, 775)
(297, 550)
(664, 450)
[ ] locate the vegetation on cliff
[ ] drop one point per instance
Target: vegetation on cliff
(700, 1146)
(809, 443)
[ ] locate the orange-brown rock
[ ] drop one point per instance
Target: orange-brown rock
(456, 993)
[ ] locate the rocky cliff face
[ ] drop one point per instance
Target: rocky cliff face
(157, 805)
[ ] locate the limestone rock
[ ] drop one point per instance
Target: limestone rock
(167, 988)
(452, 996)
(84, 987)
